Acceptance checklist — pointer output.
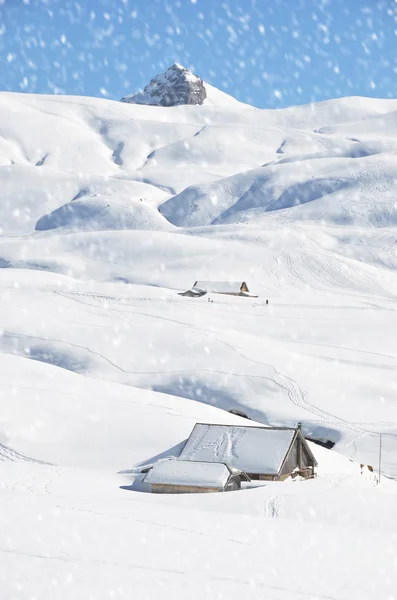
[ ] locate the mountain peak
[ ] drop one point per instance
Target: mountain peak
(176, 86)
(177, 66)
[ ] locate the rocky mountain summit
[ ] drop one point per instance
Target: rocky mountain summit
(174, 87)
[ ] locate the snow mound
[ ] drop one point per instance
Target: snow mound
(343, 191)
(105, 213)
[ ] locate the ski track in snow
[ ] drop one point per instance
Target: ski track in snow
(294, 392)
(8, 454)
(192, 575)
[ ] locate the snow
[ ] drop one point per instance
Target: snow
(104, 367)
(251, 449)
(189, 473)
(216, 97)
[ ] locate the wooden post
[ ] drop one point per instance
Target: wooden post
(299, 446)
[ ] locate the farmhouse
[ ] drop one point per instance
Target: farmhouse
(231, 288)
(184, 477)
(266, 453)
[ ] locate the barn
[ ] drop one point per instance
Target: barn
(231, 288)
(188, 477)
(263, 453)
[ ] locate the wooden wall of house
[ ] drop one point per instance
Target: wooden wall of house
(298, 454)
(234, 483)
(307, 460)
(292, 459)
(262, 477)
(158, 488)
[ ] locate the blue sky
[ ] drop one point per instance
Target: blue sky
(271, 53)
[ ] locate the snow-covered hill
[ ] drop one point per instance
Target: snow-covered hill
(108, 209)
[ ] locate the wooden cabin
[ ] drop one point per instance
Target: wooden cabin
(231, 288)
(263, 453)
(193, 293)
(174, 476)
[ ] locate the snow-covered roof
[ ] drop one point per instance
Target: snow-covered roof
(222, 287)
(198, 291)
(252, 449)
(188, 472)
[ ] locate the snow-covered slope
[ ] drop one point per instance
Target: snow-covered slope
(108, 209)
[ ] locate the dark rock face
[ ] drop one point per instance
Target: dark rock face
(239, 413)
(174, 87)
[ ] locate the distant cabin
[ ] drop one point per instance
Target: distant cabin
(263, 453)
(231, 288)
(176, 476)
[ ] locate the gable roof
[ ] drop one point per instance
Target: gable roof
(188, 472)
(221, 287)
(260, 450)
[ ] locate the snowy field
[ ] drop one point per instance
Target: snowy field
(108, 210)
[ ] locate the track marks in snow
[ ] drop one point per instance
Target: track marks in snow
(154, 524)
(271, 507)
(201, 578)
(46, 354)
(8, 454)
(237, 437)
(290, 388)
(227, 448)
(299, 397)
